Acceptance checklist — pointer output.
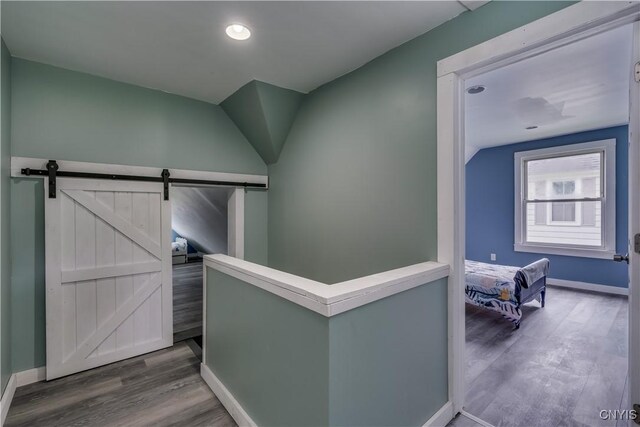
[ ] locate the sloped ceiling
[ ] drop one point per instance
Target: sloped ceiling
(199, 214)
(578, 87)
(264, 113)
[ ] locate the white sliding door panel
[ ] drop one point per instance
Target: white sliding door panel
(109, 294)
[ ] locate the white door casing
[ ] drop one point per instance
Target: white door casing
(108, 273)
(634, 224)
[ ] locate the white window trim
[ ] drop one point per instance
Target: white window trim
(608, 248)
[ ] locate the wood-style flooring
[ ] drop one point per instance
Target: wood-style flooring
(187, 300)
(565, 363)
(157, 389)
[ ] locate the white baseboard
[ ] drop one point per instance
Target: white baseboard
(475, 419)
(588, 286)
(237, 412)
(7, 397)
(18, 380)
(31, 376)
(442, 417)
(226, 398)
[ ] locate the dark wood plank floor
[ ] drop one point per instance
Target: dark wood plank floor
(187, 300)
(565, 363)
(160, 389)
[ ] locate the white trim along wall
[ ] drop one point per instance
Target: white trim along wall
(634, 223)
(573, 23)
(7, 397)
(584, 286)
(328, 300)
(242, 418)
(18, 380)
(235, 224)
(18, 163)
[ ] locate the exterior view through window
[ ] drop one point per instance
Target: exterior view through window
(565, 200)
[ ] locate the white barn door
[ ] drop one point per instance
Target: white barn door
(108, 273)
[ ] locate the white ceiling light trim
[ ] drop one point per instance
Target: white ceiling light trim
(238, 32)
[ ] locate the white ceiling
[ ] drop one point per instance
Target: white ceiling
(578, 87)
(181, 47)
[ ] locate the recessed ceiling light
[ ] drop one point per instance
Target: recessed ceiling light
(475, 89)
(531, 127)
(238, 32)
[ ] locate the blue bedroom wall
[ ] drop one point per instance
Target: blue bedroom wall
(490, 210)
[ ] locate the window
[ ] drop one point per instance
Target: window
(565, 200)
(563, 211)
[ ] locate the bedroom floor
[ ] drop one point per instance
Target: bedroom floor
(565, 363)
(187, 300)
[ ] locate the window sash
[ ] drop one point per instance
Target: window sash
(525, 201)
(529, 188)
(525, 178)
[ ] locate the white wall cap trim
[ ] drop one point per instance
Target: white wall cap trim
(299, 285)
(325, 299)
(424, 272)
(18, 163)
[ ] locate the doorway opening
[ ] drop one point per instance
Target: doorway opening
(203, 221)
(546, 313)
(573, 24)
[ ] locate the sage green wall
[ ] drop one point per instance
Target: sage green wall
(354, 190)
(388, 360)
(28, 274)
(61, 114)
(5, 235)
(271, 354)
(381, 364)
(264, 113)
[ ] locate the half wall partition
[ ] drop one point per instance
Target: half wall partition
(284, 350)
